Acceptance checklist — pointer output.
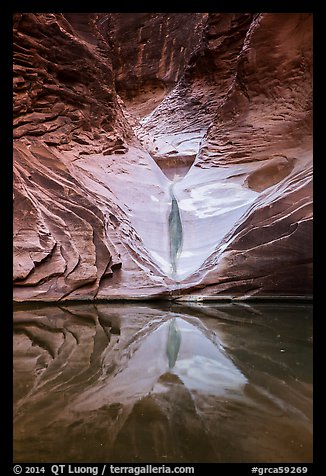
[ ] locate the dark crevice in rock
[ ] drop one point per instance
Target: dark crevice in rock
(175, 166)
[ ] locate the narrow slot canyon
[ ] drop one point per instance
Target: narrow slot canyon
(136, 103)
(162, 239)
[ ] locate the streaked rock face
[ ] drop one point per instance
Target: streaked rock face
(99, 178)
(150, 53)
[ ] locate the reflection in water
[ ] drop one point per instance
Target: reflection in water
(199, 360)
(173, 345)
(132, 383)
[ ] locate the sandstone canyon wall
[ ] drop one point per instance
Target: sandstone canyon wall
(159, 155)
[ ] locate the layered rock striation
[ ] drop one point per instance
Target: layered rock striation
(262, 134)
(117, 115)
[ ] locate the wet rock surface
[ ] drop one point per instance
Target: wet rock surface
(99, 139)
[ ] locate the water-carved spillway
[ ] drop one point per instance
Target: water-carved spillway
(175, 233)
(162, 155)
(204, 206)
(91, 206)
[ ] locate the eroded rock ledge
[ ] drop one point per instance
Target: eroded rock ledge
(91, 202)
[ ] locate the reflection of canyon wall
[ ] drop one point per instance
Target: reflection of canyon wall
(91, 205)
(210, 391)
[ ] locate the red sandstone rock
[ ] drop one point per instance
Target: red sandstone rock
(91, 206)
(151, 51)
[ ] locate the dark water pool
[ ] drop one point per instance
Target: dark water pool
(163, 383)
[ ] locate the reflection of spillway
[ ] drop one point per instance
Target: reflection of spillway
(174, 347)
(199, 363)
(166, 394)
